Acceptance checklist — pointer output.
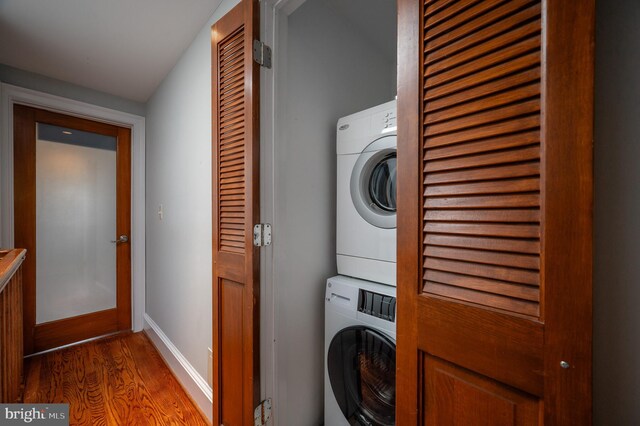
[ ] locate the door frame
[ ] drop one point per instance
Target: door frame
(273, 30)
(11, 95)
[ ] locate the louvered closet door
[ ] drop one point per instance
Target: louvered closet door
(494, 212)
(235, 187)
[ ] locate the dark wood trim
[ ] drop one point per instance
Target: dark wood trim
(252, 265)
(24, 130)
(57, 119)
(123, 227)
(62, 332)
(409, 226)
(24, 205)
(567, 240)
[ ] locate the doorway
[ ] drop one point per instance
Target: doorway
(72, 207)
(330, 61)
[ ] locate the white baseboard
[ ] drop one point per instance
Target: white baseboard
(191, 380)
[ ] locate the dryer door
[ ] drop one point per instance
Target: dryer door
(373, 183)
(362, 371)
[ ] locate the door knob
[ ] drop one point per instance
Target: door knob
(121, 239)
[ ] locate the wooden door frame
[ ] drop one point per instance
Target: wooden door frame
(273, 32)
(11, 95)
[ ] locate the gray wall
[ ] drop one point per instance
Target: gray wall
(29, 80)
(332, 71)
(617, 215)
(178, 164)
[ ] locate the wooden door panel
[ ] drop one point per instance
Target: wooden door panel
(495, 105)
(231, 330)
(484, 341)
(454, 396)
(235, 150)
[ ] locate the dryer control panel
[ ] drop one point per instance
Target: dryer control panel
(377, 305)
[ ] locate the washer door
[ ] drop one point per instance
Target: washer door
(373, 183)
(362, 371)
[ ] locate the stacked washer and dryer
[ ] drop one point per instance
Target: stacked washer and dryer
(360, 303)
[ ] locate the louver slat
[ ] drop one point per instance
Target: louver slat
(231, 151)
(481, 158)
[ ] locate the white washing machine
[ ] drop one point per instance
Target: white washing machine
(366, 194)
(360, 353)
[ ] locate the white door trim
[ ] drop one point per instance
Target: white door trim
(274, 18)
(11, 95)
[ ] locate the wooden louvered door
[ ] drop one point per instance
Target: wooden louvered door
(495, 113)
(235, 187)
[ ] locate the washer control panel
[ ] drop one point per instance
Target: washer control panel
(377, 305)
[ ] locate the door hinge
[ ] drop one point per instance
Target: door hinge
(262, 413)
(262, 53)
(262, 234)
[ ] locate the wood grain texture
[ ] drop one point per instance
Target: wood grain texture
(410, 213)
(39, 337)
(120, 380)
(11, 339)
(568, 210)
(235, 209)
(495, 133)
(24, 210)
(495, 107)
(458, 397)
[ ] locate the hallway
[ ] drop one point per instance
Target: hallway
(119, 380)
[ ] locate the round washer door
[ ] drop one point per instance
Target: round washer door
(373, 183)
(362, 371)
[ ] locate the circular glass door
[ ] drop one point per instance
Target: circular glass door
(373, 183)
(362, 370)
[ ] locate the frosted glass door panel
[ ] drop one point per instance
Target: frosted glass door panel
(75, 223)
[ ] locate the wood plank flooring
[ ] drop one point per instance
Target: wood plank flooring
(120, 380)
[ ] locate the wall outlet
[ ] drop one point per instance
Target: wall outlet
(210, 368)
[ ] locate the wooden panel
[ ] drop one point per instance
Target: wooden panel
(454, 396)
(495, 344)
(231, 149)
(84, 326)
(495, 134)
(69, 330)
(231, 382)
(11, 338)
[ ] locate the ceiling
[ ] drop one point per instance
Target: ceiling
(121, 47)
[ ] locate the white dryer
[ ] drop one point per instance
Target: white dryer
(360, 353)
(366, 194)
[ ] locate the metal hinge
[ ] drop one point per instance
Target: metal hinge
(262, 234)
(262, 413)
(262, 53)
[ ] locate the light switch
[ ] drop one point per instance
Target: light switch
(160, 212)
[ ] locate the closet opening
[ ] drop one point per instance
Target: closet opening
(328, 178)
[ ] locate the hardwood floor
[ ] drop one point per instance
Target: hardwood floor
(120, 380)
